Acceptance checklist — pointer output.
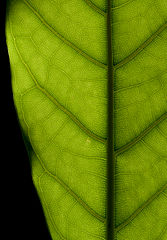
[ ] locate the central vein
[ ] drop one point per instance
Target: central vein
(111, 161)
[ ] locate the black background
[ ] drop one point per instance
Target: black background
(21, 212)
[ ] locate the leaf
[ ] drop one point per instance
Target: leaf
(59, 63)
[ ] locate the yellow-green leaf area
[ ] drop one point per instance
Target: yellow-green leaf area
(59, 64)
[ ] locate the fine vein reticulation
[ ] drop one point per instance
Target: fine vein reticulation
(140, 209)
(130, 197)
(142, 135)
(141, 48)
(94, 7)
(100, 64)
(87, 131)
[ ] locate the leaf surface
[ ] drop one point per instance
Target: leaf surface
(59, 62)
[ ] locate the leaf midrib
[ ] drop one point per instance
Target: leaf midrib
(122, 63)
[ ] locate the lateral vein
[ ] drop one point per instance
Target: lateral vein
(140, 209)
(60, 106)
(67, 42)
(47, 209)
(122, 5)
(95, 8)
(66, 187)
(71, 192)
(143, 134)
(141, 47)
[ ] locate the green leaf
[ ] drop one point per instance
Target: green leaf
(59, 63)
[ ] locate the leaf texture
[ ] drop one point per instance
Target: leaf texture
(59, 63)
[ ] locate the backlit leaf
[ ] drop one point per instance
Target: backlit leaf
(59, 63)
